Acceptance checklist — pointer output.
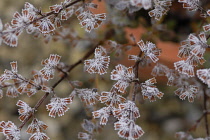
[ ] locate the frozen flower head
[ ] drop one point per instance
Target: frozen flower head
(10, 74)
(127, 110)
(21, 20)
(24, 110)
(99, 64)
(11, 37)
(39, 136)
(149, 91)
(10, 130)
(161, 8)
(112, 98)
(49, 66)
(204, 76)
(88, 96)
(124, 76)
(45, 25)
(58, 106)
(150, 50)
(103, 114)
(126, 114)
(198, 44)
(146, 4)
(187, 91)
(193, 48)
(206, 28)
(84, 136)
(36, 126)
(128, 129)
(184, 67)
(10, 34)
(191, 5)
(90, 21)
(185, 49)
(160, 70)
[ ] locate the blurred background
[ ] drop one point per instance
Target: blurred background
(160, 120)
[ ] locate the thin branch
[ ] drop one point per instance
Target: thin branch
(71, 67)
(197, 122)
(38, 87)
(35, 108)
(42, 17)
(134, 84)
(205, 110)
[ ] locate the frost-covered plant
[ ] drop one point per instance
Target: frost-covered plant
(101, 35)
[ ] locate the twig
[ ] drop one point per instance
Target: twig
(134, 84)
(71, 67)
(42, 17)
(205, 110)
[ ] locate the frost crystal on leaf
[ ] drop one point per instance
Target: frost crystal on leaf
(99, 64)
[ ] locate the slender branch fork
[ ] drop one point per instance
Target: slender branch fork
(71, 67)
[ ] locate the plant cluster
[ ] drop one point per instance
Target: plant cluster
(120, 101)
